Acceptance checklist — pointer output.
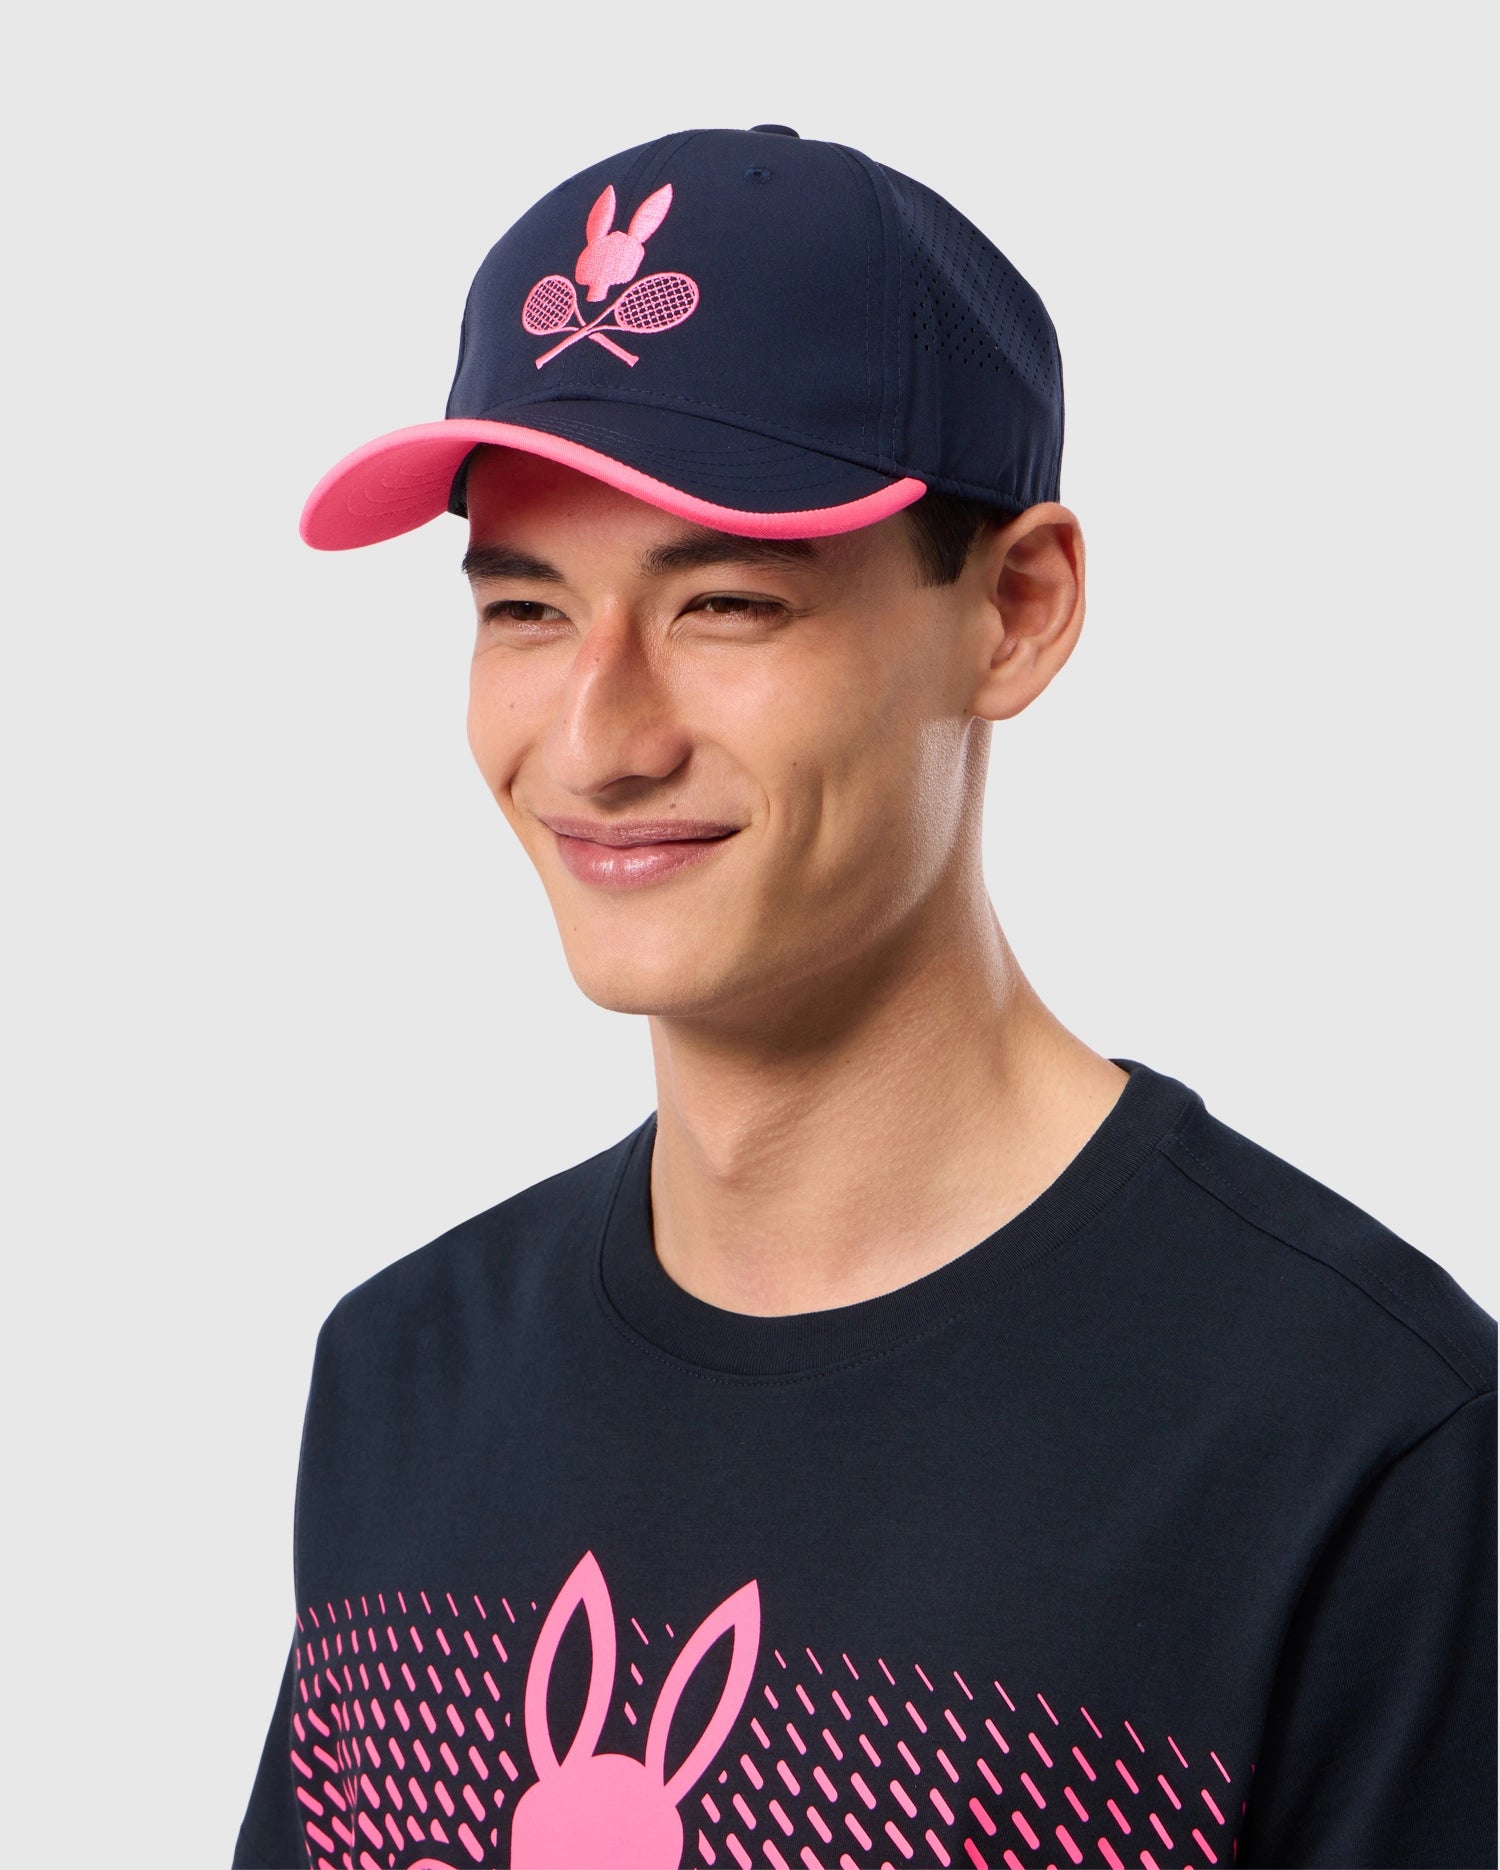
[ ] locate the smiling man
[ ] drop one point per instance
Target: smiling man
(922, 1439)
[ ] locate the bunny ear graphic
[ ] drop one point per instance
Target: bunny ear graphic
(740, 1612)
(650, 214)
(584, 1585)
(601, 215)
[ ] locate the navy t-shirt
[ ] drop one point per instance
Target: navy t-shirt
(1157, 1529)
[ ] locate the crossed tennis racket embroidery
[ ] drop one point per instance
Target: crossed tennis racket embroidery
(610, 258)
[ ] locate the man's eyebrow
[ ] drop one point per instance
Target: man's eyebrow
(706, 546)
(504, 561)
(703, 546)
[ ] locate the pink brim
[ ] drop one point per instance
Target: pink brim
(401, 480)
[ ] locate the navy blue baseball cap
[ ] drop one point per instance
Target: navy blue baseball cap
(763, 333)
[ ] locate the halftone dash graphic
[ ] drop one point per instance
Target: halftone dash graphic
(412, 1749)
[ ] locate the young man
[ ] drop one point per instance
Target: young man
(922, 1440)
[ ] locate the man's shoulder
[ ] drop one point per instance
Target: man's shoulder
(492, 1256)
(1335, 1255)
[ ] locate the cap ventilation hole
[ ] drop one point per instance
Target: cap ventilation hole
(969, 304)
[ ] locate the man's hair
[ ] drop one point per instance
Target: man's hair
(944, 527)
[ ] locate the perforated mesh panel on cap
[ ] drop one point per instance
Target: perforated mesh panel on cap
(969, 304)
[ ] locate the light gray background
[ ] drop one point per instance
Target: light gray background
(283, 1000)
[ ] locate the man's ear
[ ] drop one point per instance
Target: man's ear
(1028, 577)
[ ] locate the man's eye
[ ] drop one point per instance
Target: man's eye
(722, 604)
(519, 610)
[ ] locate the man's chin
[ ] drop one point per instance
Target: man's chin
(663, 983)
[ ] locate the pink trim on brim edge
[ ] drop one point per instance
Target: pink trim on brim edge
(400, 481)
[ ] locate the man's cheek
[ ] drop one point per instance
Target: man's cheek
(490, 726)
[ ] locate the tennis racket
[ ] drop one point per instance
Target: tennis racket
(654, 303)
(552, 305)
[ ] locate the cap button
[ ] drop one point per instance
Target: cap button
(774, 129)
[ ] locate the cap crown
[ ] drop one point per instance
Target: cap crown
(790, 288)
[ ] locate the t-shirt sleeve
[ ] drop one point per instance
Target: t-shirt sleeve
(1379, 1746)
(271, 1833)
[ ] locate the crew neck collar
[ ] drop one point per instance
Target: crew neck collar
(635, 1288)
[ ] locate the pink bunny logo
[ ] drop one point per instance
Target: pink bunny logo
(606, 1809)
(611, 258)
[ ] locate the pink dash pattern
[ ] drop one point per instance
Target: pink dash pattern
(407, 1739)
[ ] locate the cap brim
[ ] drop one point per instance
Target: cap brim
(697, 469)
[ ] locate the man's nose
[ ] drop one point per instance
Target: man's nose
(614, 716)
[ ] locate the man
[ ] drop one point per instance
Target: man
(922, 1440)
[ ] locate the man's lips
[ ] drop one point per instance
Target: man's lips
(625, 832)
(622, 864)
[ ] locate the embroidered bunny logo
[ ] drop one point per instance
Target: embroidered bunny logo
(596, 1810)
(612, 258)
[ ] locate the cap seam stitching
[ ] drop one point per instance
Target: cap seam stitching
(751, 426)
(895, 276)
(734, 418)
(864, 429)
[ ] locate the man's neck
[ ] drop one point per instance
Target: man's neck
(867, 1133)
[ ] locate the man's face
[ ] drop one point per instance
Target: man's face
(631, 666)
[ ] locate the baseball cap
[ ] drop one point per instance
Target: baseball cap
(765, 333)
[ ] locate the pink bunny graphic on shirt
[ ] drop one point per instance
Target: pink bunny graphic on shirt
(594, 1810)
(611, 258)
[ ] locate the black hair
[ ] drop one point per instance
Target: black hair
(944, 528)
